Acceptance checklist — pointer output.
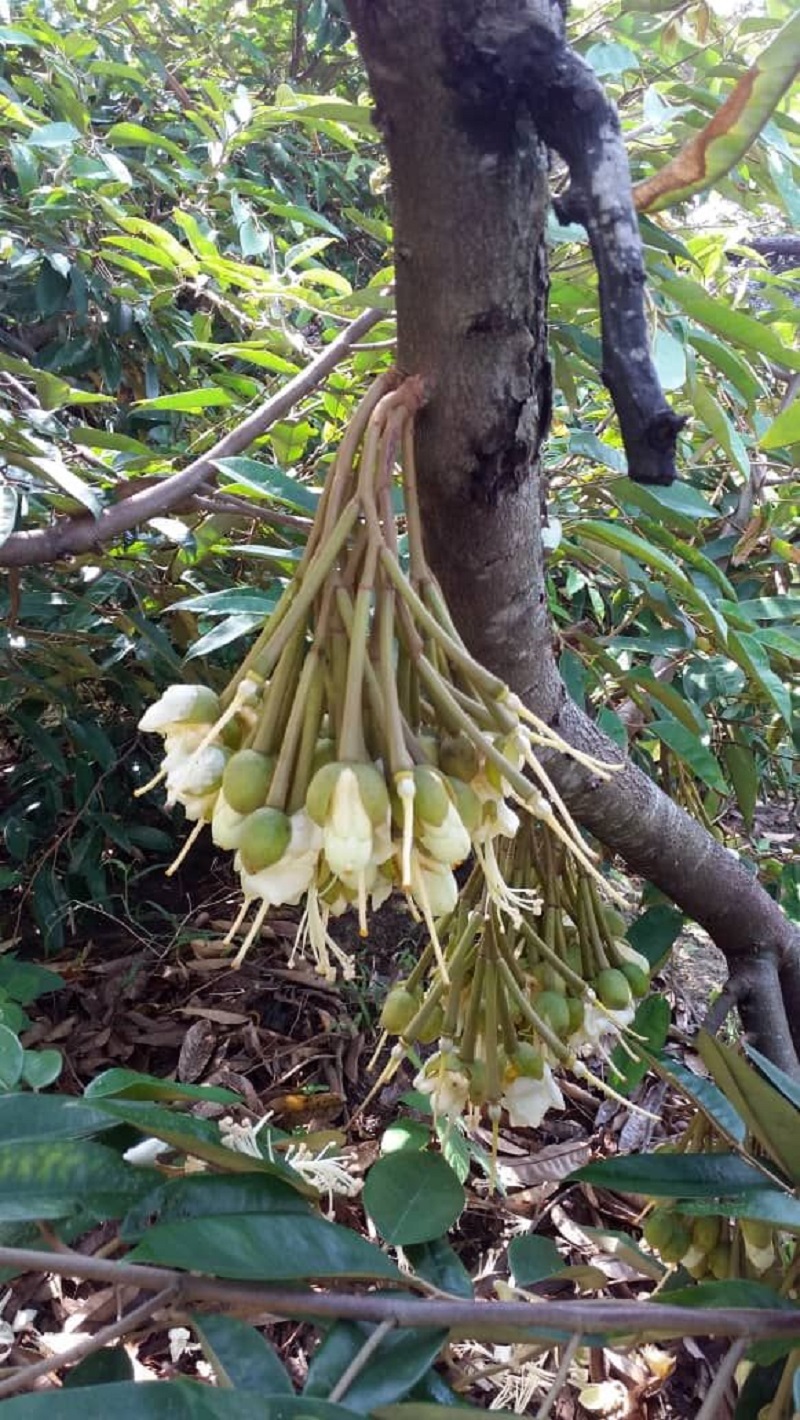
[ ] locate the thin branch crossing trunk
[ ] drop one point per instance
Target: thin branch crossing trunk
(470, 190)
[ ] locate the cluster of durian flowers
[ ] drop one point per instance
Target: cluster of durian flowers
(526, 997)
(360, 748)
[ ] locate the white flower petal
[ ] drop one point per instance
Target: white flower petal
(527, 1100)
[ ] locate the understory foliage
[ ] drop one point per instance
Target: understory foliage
(194, 203)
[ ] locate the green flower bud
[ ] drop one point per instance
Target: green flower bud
(553, 1009)
(637, 979)
(399, 1009)
(458, 757)
(246, 780)
(264, 839)
(613, 989)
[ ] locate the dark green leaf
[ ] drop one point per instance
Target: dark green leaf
(412, 1198)
(28, 1118)
(53, 1180)
(132, 1085)
(211, 1195)
(241, 1358)
(103, 1368)
(12, 1058)
(649, 1026)
(438, 1263)
(674, 1175)
(273, 1248)
(531, 1258)
(173, 1400)
(717, 1109)
(401, 1359)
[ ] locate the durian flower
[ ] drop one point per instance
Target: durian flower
(194, 781)
(286, 880)
(445, 1081)
(180, 705)
(226, 824)
(433, 886)
(528, 1100)
(598, 1025)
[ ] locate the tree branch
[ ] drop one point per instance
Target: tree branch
(83, 534)
(498, 1321)
(523, 55)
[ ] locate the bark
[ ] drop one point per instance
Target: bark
(469, 182)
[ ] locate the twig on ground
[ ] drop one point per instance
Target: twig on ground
(360, 1359)
(713, 1405)
(560, 1377)
(25, 1378)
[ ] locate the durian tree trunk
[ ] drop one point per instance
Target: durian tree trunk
(469, 177)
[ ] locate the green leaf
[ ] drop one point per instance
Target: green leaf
(405, 1134)
(437, 1262)
(92, 438)
(691, 750)
(276, 1248)
(720, 354)
(12, 1058)
(172, 1400)
(649, 1027)
(679, 504)
(788, 1087)
(674, 1175)
(241, 1358)
(229, 602)
(401, 1359)
(41, 1068)
(27, 1118)
(740, 763)
(52, 135)
(211, 1195)
(733, 325)
(766, 1205)
(669, 355)
(615, 535)
(773, 1120)
(269, 481)
(412, 1198)
(654, 932)
(56, 470)
(103, 1368)
(737, 1292)
(532, 1258)
(188, 401)
(25, 981)
(717, 1109)
(133, 1085)
(783, 430)
(717, 422)
(55, 1179)
(746, 651)
(134, 135)
(233, 628)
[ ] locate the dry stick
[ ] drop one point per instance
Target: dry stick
(560, 1378)
(83, 534)
(498, 1321)
(360, 1359)
(25, 1378)
(713, 1404)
